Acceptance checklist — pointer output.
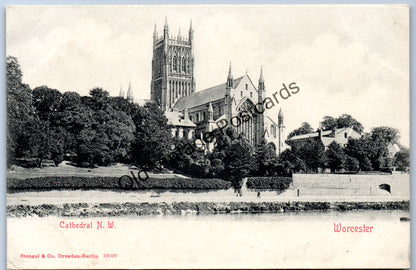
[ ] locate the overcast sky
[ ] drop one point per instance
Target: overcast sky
(345, 59)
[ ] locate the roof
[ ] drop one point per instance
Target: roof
(175, 119)
(204, 96)
(310, 135)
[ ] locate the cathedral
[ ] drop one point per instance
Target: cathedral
(192, 113)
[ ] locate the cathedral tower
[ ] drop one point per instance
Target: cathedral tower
(172, 67)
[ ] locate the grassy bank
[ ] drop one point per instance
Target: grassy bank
(177, 208)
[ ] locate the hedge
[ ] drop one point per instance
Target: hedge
(269, 182)
(77, 182)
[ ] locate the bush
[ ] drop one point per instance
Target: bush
(27, 162)
(269, 182)
(77, 182)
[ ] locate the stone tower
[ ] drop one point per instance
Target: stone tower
(172, 67)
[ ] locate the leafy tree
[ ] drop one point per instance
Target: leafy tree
(22, 121)
(152, 138)
(364, 150)
(106, 136)
(335, 157)
(385, 134)
(329, 123)
(236, 153)
(343, 121)
(291, 162)
(312, 152)
(347, 120)
(351, 164)
(265, 159)
(304, 129)
(402, 159)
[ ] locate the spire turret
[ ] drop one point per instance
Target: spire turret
(155, 34)
(166, 28)
(280, 118)
(129, 93)
(261, 80)
(121, 94)
(210, 112)
(230, 79)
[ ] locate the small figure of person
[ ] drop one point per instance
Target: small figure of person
(258, 195)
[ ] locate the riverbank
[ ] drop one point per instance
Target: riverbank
(182, 208)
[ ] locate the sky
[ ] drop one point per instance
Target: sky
(350, 59)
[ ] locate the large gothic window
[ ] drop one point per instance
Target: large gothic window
(175, 63)
(248, 124)
(183, 65)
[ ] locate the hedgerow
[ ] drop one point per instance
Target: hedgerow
(269, 182)
(96, 182)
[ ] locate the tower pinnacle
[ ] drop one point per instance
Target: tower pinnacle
(129, 93)
(166, 23)
(261, 80)
(230, 79)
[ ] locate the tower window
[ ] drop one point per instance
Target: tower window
(251, 94)
(345, 134)
(241, 93)
(175, 64)
(197, 117)
(183, 65)
(246, 86)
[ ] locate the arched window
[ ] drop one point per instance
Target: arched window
(187, 66)
(174, 63)
(197, 117)
(183, 65)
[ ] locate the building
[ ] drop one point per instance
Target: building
(326, 137)
(190, 113)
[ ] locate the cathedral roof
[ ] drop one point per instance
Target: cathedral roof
(204, 96)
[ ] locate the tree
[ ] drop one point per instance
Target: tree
(291, 162)
(385, 134)
(402, 159)
(343, 121)
(329, 123)
(304, 129)
(22, 122)
(347, 120)
(335, 157)
(364, 150)
(312, 152)
(236, 154)
(152, 138)
(265, 159)
(106, 136)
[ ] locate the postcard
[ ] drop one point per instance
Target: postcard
(208, 136)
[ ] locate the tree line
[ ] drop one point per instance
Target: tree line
(97, 129)
(368, 153)
(44, 123)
